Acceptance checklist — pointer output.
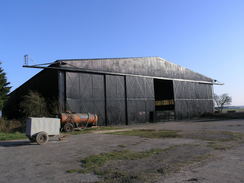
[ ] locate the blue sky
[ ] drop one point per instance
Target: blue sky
(206, 36)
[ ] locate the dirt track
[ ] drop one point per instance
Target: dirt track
(21, 161)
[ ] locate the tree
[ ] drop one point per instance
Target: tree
(222, 100)
(4, 88)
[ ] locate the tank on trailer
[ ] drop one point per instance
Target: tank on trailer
(69, 120)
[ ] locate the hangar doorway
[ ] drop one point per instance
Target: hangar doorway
(164, 100)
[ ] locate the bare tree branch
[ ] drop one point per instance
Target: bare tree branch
(222, 100)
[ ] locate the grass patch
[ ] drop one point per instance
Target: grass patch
(90, 130)
(147, 133)
(92, 162)
(12, 136)
(219, 146)
(72, 171)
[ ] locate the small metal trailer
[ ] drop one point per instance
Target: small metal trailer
(40, 129)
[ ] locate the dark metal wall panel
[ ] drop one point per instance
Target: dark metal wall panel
(61, 91)
(139, 87)
(137, 111)
(147, 66)
(140, 99)
(192, 108)
(73, 85)
(192, 99)
(188, 90)
(85, 93)
(115, 100)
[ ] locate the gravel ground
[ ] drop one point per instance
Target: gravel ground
(228, 168)
(21, 161)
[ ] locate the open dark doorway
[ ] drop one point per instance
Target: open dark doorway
(164, 99)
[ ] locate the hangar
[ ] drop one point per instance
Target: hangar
(121, 90)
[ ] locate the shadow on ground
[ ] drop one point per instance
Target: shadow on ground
(16, 143)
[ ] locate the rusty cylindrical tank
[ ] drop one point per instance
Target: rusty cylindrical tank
(85, 118)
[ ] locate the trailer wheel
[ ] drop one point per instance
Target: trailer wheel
(68, 127)
(41, 138)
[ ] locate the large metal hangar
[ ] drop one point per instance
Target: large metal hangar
(121, 90)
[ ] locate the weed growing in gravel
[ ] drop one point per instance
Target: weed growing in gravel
(220, 146)
(148, 133)
(233, 136)
(91, 163)
(72, 171)
(215, 136)
(112, 176)
(135, 167)
(94, 161)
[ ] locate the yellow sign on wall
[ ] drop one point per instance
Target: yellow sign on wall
(164, 102)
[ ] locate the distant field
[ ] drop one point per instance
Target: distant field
(234, 109)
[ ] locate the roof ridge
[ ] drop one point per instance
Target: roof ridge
(106, 58)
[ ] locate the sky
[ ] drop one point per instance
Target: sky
(206, 36)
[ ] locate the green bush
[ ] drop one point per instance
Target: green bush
(33, 104)
(10, 125)
(53, 107)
